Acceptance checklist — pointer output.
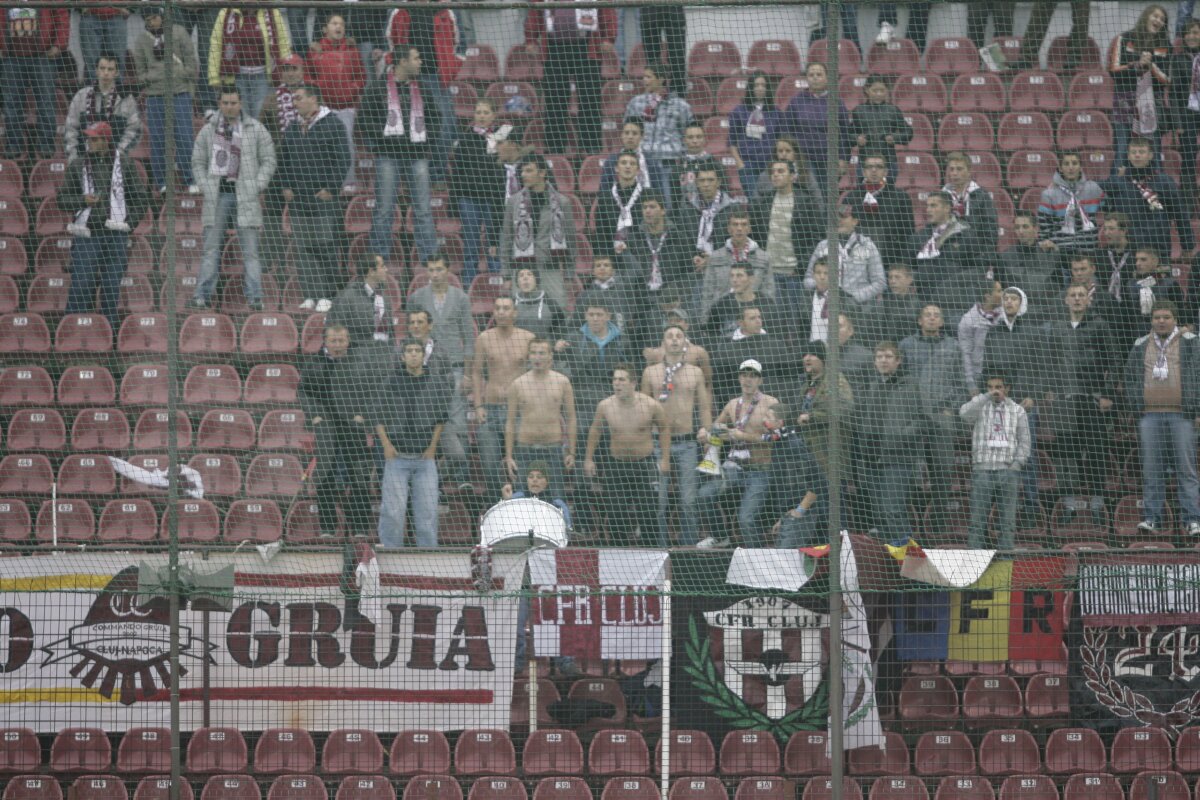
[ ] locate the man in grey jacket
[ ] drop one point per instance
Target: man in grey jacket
(860, 267)
(539, 230)
(102, 102)
(174, 83)
(1000, 446)
(233, 161)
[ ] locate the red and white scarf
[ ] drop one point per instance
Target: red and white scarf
(625, 215)
(226, 157)
(395, 114)
(107, 106)
(961, 201)
(285, 107)
(708, 216)
(938, 237)
(870, 201)
(116, 201)
(1148, 194)
(655, 281)
(525, 227)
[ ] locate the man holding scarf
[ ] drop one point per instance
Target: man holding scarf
(233, 161)
(102, 103)
(619, 208)
(1151, 200)
(398, 121)
(1162, 383)
(539, 230)
(107, 201)
(946, 259)
(1068, 208)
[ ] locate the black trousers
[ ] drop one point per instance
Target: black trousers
(568, 60)
(631, 499)
(343, 465)
(659, 23)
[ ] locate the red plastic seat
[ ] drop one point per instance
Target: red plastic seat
(269, 334)
(100, 429)
(480, 65)
(50, 220)
(25, 473)
(821, 788)
(630, 788)
(216, 750)
(221, 474)
(891, 760)
(25, 386)
(615, 96)
(36, 429)
(991, 700)
(1026, 130)
(964, 787)
(920, 93)
(143, 333)
(145, 750)
(297, 787)
(352, 750)
(501, 91)
(982, 92)
(253, 520)
(66, 521)
(922, 132)
(485, 752)
(128, 520)
(206, 333)
(144, 385)
(1034, 90)
(230, 787)
(189, 253)
(276, 475)
(199, 522)
(158, 787)
(552, 752)
(10, 294)
(151, 431)
(464, 96)
(1085, 130)
(24, 333)
(1093, 786)
(13, 258)
(1063, 49)
(80, 750)
(86, 474)
(432, 787)
(20, 750)
(601, 690)
(32, 787)
(1009, 752)
(495, 787)
(365, 787)
(965, 131)
(698, 787)
(1092, 89)
(765, 788)
(226, 429)
(283, 429)
(12, 183)
(778, 57)
(805, 754)
(714, 59)
(1075, 750)
(917, 171)
(562, 788)
(416, 752)
(89, 385)
(136, 294)
(563, 172)
(46, 177)
(47, 294)
(618, 752)
(53, 255)
(1031, 169)
(897, 57)
(188, 210)
(285, 750)
(271, 383)
(951, 56)
(212, 384)
(898, 787)
(83, 333)
(1187, 750)
(485, 288)
(716, 136)
(14, 219)
(302, 523)
(1047, 700)
(928, 702)
(692, 753)
(749, 753)
(945, 753)
(1028, 787)
(1138, 749)
(1159, 785)
(98, 787)
(849, 56)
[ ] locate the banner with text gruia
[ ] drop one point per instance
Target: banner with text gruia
(79, 646)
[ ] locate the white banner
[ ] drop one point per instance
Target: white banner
(597, 603)
(79, 647)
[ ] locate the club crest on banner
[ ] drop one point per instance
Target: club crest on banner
(1118, 662)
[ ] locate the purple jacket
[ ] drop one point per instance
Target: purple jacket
(755, 153)
(805, 120)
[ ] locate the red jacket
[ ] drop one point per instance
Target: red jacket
(101, 12)
(50, 27)
(535, 29)
(445, 40)
(338, 72)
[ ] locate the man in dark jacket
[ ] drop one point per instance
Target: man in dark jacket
(1151, 200)
(788, 246)
(334, 415)
(885, 213)
(971, 203)
(363, 307)
(594, 349)
(1151, 281)
(894, 316)
(658, 258)
(314, 160)
(398, 122)
(947, 258)
(1035, 266)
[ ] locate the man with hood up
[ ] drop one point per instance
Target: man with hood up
(1068, 208)
(536, 312)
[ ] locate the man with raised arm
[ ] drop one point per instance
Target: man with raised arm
(538, 403)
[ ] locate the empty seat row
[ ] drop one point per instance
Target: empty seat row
(932, 701)
(261, 333)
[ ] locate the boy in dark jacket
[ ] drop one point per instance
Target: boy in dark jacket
(879, 125)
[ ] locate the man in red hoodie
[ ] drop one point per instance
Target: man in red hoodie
(335, 65)
(32, 40)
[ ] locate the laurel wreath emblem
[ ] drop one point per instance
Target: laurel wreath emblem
(812, 716)
(1123, 701)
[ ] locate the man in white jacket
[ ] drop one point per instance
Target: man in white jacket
(1000, 446)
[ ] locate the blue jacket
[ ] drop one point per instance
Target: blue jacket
(805, 119)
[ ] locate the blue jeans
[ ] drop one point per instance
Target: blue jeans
(98, 37)
(805, 531)
(684, 458)
(214, 240)
(890, 484)
(489, 437)
(476, 215)
(998, 486)
(253, 88)
(98, 259)
(297, 18)
(1183, 14)
(753, 485)
(1029, 475)
(1158, 435)
(22, 78)
(849, 22)
(444, 136)
(387, 186)
(401, 474)
(156, 125)
(454, 443)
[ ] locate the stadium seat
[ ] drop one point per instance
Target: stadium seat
(714, 59)
(495, 787)
(1009, 752)
(547, 694)
(24, 333)
(898, 787)
(925, 94)
(562, 788)
(1075, 750)
(312, 337)
(618, 752)
(46, 176)
(778, 57)
(917, 171)
(98, 787)
(14, 260)
(301, 524)
(417, 752)
(137, 295)
(53, 255)
(180, 293)
(269, 334)
(897, 57)
(365, 787)
(189, 253)
(36, 429)
(25, 473)
(1092, 89)
(254, 520)
(230, 787)
(10, 294)
(216, 750)
(144, 750)
(804, 755)
(128, 520)
(1047, 701)
(849, 56)
(1027, 130)
(790, 87)
(692, 753)
(432, 787)
(765, 787)
(199, 522)
(147, 461)
(221, 474)
(485, 752)
(72, 519)
(944, 753)
(716, 134)
(1031, 169)
(965, 131)
(485, 288)
(100, 429)
(144, 385)
(158, 787)
(697, 787)
(81, 750)
(276, 475)
(993, 700)
(50, 220)
(1187, 750)
(20, 750)
(520, 65)
(47, 294)
(1159, 785)
(207, 333)
(1064, 50)
(480, 65)
(14, 219)
(25, 386)
(349, 750)
(1034, 90)
(922, 132)
(32, 787)
(891, 760)
(187, 209)
(615, 96)
(86, 474)
(630, 788)
(749, 753)
(1084, 130)
(928, 702)
(151, 430)
(964, 787)
(1139, 749)
(821, 788)
(601, 690)
(212, 384)
(501, 92)
(1093, 786)
(1028, 787)
(283, 429)
(226, 429)
(234, 300)
(464, 96)
(552, 752)
(297, 787)
(143, 333)
(982, 93)
(1126, 516)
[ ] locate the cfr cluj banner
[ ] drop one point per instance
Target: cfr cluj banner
(80, 646)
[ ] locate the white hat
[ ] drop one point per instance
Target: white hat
(750, 363)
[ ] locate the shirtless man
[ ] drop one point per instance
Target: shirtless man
(538, 402)
(500, 356)
(681, 389)
(746, 471)
(693, 353)
(631, 470)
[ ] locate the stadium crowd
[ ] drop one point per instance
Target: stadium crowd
(660, 358)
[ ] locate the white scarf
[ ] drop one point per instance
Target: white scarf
(1074, 207)
(940, 234)
(625, 217)
(586, 19)
(116, 201)
(525, 227)
(739, 334)
(158, 477)
(707, 217)
(226, 154)
(962, 202)
(395, 114)
(1161, 369)
(1146, 293)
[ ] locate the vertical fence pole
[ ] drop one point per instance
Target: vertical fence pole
(665, 614)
